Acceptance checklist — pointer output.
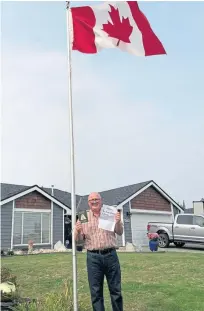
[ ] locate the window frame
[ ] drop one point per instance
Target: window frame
(33, 211)
(194, 221)
(180, 216)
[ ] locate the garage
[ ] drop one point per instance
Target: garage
(139, 221)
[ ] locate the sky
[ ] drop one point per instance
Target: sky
(135, 118)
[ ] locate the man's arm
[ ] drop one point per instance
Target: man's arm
(119, 228)
(78, 231)
(78, 236)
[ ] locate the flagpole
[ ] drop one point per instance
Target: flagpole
(73, 197)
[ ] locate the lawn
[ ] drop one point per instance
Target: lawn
(150, 282)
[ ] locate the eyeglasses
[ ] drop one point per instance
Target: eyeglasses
(94, 200)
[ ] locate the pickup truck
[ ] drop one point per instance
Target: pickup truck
(187, 228)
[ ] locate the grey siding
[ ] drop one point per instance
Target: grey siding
(6, 225)
(58, 219)
(175, 211)
(127, 223)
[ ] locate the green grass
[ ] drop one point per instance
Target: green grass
(150, 282)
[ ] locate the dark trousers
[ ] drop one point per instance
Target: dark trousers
(98, 266)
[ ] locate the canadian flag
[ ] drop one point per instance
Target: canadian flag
(113, 25)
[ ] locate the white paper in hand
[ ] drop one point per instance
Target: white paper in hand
(107, 218)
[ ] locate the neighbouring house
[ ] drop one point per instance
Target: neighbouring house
(188, 211)
(44, 214)
(198, 208)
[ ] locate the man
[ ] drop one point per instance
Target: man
(102, 259)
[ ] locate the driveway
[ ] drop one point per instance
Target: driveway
(194, 248)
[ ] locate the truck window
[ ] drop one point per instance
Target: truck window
(199, 221)
(185, 219)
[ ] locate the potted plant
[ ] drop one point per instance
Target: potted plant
(153, 241)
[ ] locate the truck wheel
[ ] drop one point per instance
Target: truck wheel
(163, 240)
(179, 244)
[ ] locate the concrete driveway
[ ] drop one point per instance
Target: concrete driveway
(191, 248)
(194, 248)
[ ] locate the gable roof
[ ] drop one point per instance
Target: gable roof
(114, 196)
(10, 191)
(122, 195)
(62, 196)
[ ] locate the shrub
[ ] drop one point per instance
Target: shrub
(10, 252)
(3, 253)
(7, 276)
(56, 301)
(24, 249)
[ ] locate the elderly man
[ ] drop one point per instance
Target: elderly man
(102, 259)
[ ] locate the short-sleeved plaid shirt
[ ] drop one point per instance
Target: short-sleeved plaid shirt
(97, 238)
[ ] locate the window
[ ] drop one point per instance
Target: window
(198, 220)
(185, 220)
(17, 228)
(45, 227)
(33, 226)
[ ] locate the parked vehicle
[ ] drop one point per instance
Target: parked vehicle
(187, 228)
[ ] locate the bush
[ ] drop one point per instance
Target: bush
(7, 276)
(56, 301)
(24, 249)
(10, 253)
(7, 253)
(3, 253)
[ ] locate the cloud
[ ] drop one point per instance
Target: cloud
(119, 140)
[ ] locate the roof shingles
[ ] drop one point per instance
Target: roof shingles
(9, 190)
(114, 196)
(109, 197)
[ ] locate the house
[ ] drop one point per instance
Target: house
(198, 207)
(140, 203)
(189, 211)
(44, 214)
(33, 213)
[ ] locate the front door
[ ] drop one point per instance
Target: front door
(68, 231)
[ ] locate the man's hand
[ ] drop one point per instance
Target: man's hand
(78, 226)
(117, 217)
(118, 225)
(78, 230)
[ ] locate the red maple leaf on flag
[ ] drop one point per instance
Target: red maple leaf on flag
(120, 30)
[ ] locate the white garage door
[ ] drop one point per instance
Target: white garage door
(139, 223)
